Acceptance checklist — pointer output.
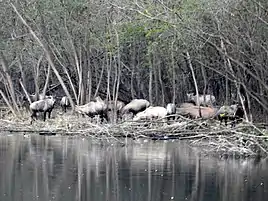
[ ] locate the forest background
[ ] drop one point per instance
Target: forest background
(122, 49)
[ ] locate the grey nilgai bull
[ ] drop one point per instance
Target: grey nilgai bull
(64, 103)
(93, 108)
(204, 100)
(135, 106)
(33, 97)
(25, 102)
(45, 106)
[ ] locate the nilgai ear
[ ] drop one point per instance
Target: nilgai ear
(189, 94)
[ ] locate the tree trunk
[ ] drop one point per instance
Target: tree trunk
(205, 82)
(150, 78)
(173, 73)
(25, 92)
(8, 103)
(133, 63)
(118, 76)
(77, 64)
(55, 54)
(161, 85)
(188, 58)
(23, 79)
(100, 78)
(36, 77)
(109, 68)
(89, 80)
(47, 81)
(9, 82)
(155, 79)
(226, 76)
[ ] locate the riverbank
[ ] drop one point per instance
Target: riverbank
(245, 139)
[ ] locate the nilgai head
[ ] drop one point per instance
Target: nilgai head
(190, 95)
(98, 99)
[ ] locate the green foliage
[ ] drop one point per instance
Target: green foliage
(131, 32)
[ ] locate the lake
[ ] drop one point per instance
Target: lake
(72, 168)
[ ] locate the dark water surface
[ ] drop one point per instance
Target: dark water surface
(75, 168)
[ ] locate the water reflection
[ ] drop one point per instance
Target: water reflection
(75, 168)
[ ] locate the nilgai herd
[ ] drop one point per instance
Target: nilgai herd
(201, 106)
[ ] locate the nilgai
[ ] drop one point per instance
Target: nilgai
(194, 112)
(171, 110)
(46, 106)
(93, 108)
(64, 103)
(234, 113)
(135, 106)
(151, 113)
(204, 100)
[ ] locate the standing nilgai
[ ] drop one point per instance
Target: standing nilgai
(46, 106)
(203, 100)
(171, 110)
(64, 103)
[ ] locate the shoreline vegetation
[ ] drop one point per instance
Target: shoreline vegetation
(243, 140)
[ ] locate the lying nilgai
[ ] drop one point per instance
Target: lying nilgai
(156, 112)
(232, 112)
(194, 112)
(151, 113)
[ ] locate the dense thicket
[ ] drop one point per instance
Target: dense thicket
(136, 49)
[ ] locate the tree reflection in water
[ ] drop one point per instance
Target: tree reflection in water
(76, 168)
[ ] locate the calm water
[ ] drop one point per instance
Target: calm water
(76, 168)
